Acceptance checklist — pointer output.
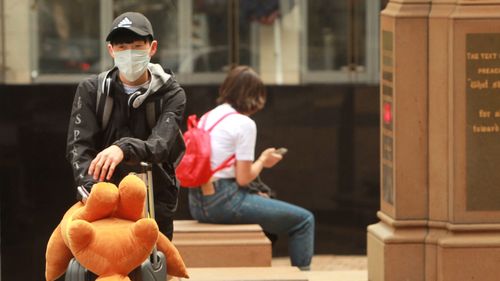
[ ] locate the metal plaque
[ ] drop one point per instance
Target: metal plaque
(482, 91)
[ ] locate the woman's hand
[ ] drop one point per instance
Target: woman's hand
(262, 194)
(246, 171)
(269, 158)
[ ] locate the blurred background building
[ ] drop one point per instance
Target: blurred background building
(289, 42)
(319, 58)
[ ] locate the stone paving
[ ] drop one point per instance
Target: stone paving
(333, 267)
(329, 262)
(323, 268)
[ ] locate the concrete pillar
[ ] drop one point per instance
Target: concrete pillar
(2, 41)
(17, 43)
(440, 148)
(279, 49)
(396, 243)
(439, 131)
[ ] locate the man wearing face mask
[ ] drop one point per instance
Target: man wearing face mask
(101, 150)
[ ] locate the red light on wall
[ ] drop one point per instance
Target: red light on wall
(387, 113)
(85, 66)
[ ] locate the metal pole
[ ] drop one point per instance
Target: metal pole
(148, 180)
(277, 51)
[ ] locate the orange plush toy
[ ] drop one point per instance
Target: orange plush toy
(108, 235)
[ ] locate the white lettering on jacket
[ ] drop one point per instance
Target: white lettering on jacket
(76, 134)
(79, 103)
(78, 119)
(74, 152)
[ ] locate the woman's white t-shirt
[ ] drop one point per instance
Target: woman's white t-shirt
(235, 134)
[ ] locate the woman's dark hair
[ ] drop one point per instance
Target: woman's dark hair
(243, 90)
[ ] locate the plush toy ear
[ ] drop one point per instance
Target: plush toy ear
(175, 264)
(67, 218)
(132, 192)
(146, 233)
(100, 204)
(80, 235)
(57, 256)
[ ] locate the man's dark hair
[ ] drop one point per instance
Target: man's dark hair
(127, 36)
(243, 90)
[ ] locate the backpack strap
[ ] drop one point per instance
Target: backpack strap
(104, 103)
(153, 110)
(216, 123)
(226, 163)
(192, 121)
(230, 160)
(150, 114)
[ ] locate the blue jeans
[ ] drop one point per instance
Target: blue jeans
(231, 204)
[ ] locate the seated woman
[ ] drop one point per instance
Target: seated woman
(226, 199)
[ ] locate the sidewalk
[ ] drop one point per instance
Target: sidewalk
(332, 267)
(323, 268)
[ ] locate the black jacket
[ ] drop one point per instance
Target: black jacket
(128, 128)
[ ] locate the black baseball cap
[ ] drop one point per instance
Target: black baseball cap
(132, 21)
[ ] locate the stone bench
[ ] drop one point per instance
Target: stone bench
(245, 274)
(221, 245)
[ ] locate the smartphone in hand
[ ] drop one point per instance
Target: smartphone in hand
(281, 151)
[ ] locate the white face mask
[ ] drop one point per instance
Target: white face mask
(132, 63)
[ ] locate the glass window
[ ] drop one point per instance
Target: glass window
(210, 36)
(327, 34)
(342, 41)
(286, 41)
(68, 38)
(358, 35)
(197, 48)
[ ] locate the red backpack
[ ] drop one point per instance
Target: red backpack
(194, 168)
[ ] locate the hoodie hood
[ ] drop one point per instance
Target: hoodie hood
(158, 78)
